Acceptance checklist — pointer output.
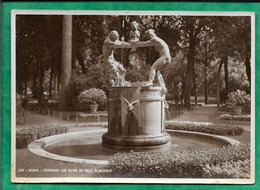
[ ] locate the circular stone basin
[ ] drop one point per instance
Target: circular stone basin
(86, 146)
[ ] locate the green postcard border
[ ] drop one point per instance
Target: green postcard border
(6, 8)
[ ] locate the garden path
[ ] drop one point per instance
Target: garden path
(198, 114)
(33, 118)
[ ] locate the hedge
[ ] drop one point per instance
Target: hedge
(27, 135)
(229, 169)
(185, 164)
(216, 129)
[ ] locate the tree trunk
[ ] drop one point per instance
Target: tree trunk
(59, 57)
(225, 61)
(51, 77)
(190, 66)
(34, 85)
(41, 78)
(25, 79)
(56, 85)
(66, 60)
(194, 85)
(206, 64)
(248, 69)
(218, 84)
(206, 89)
(81, 62)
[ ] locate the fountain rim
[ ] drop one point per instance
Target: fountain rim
(36, 146)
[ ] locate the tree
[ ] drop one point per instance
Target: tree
(37, 39)
(88, 36)
(191, 28)
(226, 42)
(66, 60)
(206, 56)
(243, 48)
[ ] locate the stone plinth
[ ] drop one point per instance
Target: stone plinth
(136, 120)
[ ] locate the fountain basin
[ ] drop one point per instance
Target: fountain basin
(86, 146)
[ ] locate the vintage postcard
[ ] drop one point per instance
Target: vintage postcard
(133, 97)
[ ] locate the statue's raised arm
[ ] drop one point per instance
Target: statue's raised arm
(147, 43)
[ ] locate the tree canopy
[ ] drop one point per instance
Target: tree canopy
(200, 46)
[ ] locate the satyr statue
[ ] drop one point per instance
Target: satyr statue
(110, 43)
(164, 52)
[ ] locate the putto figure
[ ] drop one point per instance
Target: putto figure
(134, 34)
(164, 52)
(110, 43)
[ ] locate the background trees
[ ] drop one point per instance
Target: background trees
(200, 48)
(38, 53)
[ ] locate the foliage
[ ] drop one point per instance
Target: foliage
(97, 76)
(239, 98)
(38, 40)
(229, 169)
(27, 135)
(87, 40)
(139, 70)
(92, 96)
(174, 76)
(217, 129)
(178, 164)
(197, 45)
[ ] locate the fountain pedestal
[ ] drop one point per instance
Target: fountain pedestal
(136, 120)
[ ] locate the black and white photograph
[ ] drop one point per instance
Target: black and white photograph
(133, 97)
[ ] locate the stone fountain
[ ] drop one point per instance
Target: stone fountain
(136, 112)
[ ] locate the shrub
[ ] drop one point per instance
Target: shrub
(177, 164)
(97, 76)
(239, 98)
(217, 129)
(27, 135)
(92, 96)
(229, 169)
